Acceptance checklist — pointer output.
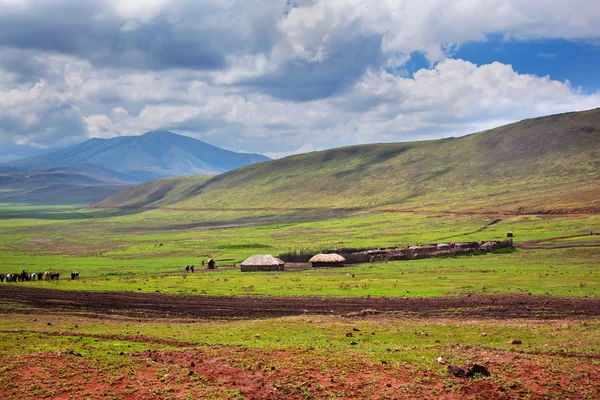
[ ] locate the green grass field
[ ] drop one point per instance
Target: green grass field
(121, 250)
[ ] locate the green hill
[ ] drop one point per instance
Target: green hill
(548, 164)
(159, 192)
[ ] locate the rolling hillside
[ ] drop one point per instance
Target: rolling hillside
(548, 164)
(155, 154)
(83, 184)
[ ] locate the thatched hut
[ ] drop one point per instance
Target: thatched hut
(211, 263)
(262, 263)
(509, 234)
(327, 260)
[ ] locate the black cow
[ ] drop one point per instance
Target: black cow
(54, 275)
(40, 276)
(74, 275)
(2, 276)
(23, 276)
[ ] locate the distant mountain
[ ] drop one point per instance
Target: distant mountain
(95, 169)
(155, 154)
(542, 165)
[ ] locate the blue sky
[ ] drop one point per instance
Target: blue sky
(280, 77)
(576, 61)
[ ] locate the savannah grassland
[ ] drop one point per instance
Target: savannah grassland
(83, 355)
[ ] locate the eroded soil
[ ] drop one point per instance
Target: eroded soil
(156, 305)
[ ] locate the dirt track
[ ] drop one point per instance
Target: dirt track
(169, 306)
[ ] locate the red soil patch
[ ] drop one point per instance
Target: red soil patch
(292, 374)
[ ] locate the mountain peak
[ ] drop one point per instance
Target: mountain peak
(155, 154)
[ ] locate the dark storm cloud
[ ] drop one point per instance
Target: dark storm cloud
(302, 80)
(183, 36)
(178, 37)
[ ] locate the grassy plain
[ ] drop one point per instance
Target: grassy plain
(122, 250)
(72, 355)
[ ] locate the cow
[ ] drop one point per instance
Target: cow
(54, 275)
(74, 275)
(11, 277)
(23, 276)
(40, 276)
(47, 275)
(2, 276)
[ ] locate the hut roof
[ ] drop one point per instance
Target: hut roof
(210, 259)
(266, 259)
(328, 258)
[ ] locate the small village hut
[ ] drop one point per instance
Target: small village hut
(262, 263)
(211, 263)
(327, 260)
(509, 234)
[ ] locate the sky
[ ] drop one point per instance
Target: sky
(281, 77)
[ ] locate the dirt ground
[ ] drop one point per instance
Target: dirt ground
(223, 372)
(156, 305)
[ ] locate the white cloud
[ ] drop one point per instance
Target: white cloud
(267, 76)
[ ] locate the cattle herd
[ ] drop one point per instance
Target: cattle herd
(25, 276)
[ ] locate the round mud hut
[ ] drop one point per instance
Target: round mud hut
(327, 260)
(262, 263)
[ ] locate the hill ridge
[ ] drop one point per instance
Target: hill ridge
(545, 164)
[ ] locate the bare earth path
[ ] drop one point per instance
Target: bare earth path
(157, 305)
(555, 243)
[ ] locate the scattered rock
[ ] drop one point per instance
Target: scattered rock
(470, 370)
(349, 334)
(353, 343)
(473, 369)
(483, 334)
(257, 336)
(356, 329)
(49, 324)
(456, 371)
(192, 364)
(389, 385)
(440, 359)
(516, 341)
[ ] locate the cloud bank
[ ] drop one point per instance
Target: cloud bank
(274, 77)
